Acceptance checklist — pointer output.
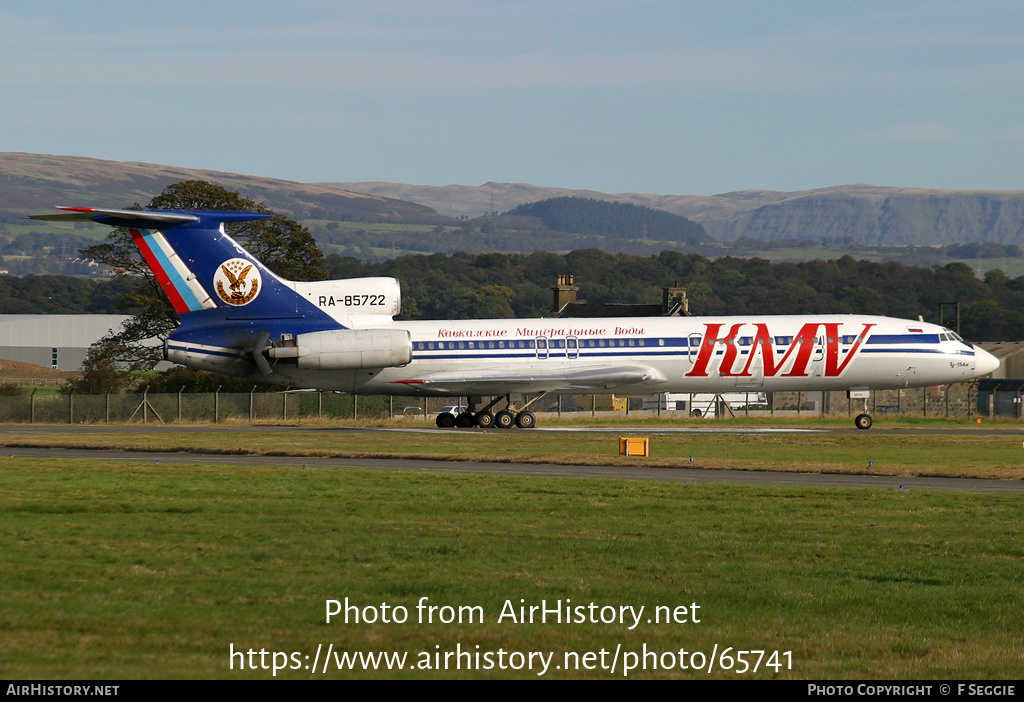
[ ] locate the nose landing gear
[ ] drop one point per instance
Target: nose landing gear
(862, 421)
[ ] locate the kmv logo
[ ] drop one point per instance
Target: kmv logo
(794, 357)
(237, 282)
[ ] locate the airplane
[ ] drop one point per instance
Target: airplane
(240, 319)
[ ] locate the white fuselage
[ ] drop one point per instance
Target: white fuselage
(239, 318)
(683, 354)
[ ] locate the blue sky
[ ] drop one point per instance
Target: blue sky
(619, 96)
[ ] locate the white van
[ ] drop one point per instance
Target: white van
(452, 409)
(706, 404)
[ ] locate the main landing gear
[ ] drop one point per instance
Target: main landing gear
(863, 421)
(505, 419)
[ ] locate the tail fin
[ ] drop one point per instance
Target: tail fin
(196, 263)
(235, 313)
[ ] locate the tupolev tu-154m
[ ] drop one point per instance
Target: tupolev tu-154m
(240, 319)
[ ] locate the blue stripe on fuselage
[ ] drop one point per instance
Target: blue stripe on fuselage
(903, 339)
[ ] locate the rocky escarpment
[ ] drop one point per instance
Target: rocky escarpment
(875, 215)
(861, 214)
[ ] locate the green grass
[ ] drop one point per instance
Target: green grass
(371, 226)
(26, 390)
(144, 571)
(14, 230)
(962, 455)
(802, 254)
(1012, 267)
(375, 250)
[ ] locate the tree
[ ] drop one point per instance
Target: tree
(489, 302)
(100, 373)
(283, 245)
(192, 380)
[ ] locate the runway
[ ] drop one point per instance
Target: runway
(683, 475)
(710, 428)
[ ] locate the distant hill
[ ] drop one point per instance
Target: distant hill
(379, 219)
(614, 220)
(30, 183)
(860, 214)
(363, 225)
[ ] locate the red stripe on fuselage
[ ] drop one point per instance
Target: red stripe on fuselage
(177, 302)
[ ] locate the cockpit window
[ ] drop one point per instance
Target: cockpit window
(950, 335)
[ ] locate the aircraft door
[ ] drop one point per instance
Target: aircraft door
(817, 366)
(750, 364)
(542, 346)
(572, 347)
(693, 347)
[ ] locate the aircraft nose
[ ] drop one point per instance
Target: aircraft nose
(984, 362)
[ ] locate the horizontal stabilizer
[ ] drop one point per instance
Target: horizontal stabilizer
(128, 218)
(149, 219)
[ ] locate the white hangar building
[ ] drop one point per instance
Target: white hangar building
(53, 340)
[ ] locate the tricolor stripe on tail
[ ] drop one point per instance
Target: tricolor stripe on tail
(178, 282)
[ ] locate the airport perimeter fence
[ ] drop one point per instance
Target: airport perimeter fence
(164, 408)
(956, 401)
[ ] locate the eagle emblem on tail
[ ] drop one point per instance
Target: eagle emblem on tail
(234, 284)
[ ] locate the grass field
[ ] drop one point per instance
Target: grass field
(960, 455)
(1012, 267)
(115, 570)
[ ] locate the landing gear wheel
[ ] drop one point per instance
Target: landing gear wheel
(696, 414)
(525, 420)
(484, 420)
(445, 420)
(863, 421)
(504, 419)
(464, 420)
